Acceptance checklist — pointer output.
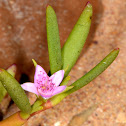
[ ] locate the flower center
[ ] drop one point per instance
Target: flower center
(45, 85)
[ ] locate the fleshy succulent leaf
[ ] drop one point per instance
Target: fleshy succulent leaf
(12, 71)
(65, 81)
(15, 91)
(53, 40)
(37, 106)
(76, 40)
(2, 92)
(68, 88)
(87, 78)
(34, 62)
(96, 71)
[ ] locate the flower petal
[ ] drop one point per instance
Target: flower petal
(40, 76)
(46, 95)
(49, 94)
(57, 77)
(59, 90)
(30, 87)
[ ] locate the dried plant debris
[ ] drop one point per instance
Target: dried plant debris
(82, 117)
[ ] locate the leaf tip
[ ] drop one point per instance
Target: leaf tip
(12, 69)
(117, 49)
(0, 70)
(48, 6)
(88, 4)
(34, 62)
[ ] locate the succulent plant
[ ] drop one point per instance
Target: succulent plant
(52, 90)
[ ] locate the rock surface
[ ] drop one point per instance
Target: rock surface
(23, 37)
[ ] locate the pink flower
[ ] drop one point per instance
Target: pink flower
(44, 85)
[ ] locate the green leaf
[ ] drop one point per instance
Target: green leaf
(76, 40)
(37, 106)
(96, 71)
(34, 62)
(53, 39)
(65, 81)
(87, 78)
(2, 92)
(68, 88)
(12, 71)
(15, 91)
